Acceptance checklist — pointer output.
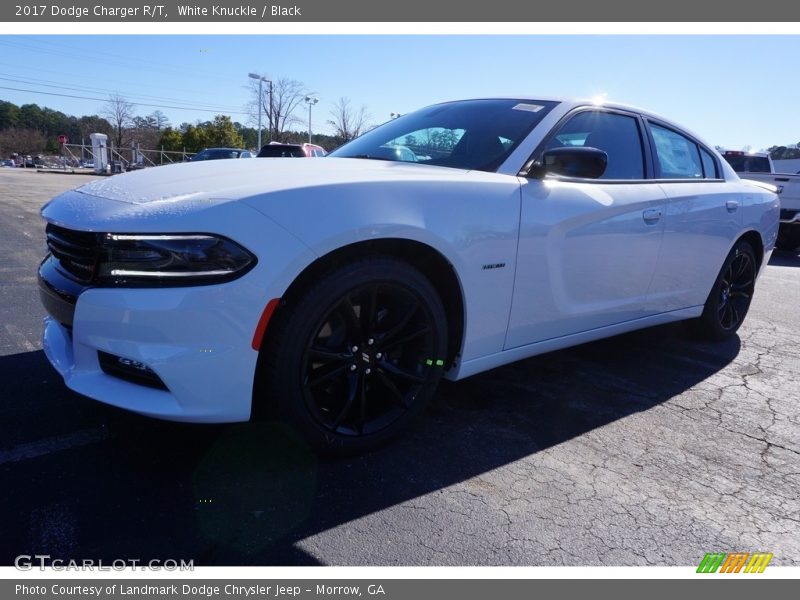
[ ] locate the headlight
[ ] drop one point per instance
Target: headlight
(170, 259)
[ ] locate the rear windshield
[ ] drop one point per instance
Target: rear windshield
(471, 134)
(281, 151)
(743, 163)
(216, 154)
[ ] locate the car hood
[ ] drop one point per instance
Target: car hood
(239, 179)
(200, 196)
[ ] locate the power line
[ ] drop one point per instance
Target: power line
(85, 55)
(56, 85)
(161, 65)
(191, 108)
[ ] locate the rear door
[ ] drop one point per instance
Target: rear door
(703, 218)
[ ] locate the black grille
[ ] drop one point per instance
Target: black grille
(787, 214)
(76, 251)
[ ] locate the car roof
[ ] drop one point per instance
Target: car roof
(570, 102)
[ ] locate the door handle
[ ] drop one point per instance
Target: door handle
(732, 205)
(651, 215)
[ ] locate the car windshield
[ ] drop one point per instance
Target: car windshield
(744, 163)
(471, 134)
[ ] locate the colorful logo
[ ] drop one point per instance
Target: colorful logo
(734, 562)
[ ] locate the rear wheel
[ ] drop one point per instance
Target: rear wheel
(729, 300)
(356, 357)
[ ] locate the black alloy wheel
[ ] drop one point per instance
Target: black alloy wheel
(729, 299)
(359, 355)
(736, 290)
(370, 358)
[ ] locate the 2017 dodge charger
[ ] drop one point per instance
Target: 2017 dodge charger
(339, 291)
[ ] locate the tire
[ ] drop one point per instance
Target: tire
(355, 358)
(730, 297)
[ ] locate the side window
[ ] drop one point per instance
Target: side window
(677, 156)
(616, 135)
(709, 164)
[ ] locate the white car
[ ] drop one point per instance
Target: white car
(337, 292)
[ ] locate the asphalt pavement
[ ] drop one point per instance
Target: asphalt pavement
(645, 449)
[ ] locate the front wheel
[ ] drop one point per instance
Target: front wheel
(357, 356)
(729, 300)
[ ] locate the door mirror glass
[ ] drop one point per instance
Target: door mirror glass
(571, 161)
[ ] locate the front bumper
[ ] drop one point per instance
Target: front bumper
(196, 340)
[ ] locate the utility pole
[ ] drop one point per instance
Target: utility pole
(311, 102)
(261, 79)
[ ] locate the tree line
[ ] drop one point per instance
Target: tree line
(784, 152)
(31, 129)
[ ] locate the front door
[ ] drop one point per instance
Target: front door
(588, 248)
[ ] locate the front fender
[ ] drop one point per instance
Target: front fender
(472, 220)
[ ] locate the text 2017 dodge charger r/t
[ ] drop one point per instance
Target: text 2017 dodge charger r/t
(338, 291)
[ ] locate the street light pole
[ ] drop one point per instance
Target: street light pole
(311, 102)
(270, 110)
(261, 79)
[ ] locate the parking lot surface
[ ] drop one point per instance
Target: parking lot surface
(645, 449)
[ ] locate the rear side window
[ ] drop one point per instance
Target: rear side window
(616, 135)
(677, 157)
(709, 165)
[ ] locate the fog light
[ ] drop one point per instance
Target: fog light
(127, 362)
(129, 370)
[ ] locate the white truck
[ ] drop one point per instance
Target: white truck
(757, 166)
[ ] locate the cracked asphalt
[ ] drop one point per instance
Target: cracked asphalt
(645, 449)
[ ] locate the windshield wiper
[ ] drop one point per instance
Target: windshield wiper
(369, 157)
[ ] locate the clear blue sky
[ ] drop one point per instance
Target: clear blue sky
(734, 91)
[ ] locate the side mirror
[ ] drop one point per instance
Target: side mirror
(571, 161)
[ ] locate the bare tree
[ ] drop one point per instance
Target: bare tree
(279, 106)
(119, 113)
(158, 119)
(347, 122)
(23, 141)
(143, 132)
(93, 124)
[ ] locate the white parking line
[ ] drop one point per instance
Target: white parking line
(59, 443)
